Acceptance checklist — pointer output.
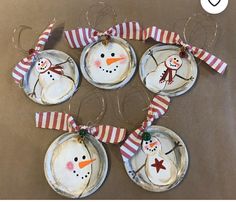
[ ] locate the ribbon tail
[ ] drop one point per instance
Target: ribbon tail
(131, 145)
(44, 37)
(81, 37)
(21, 69)
(214, 62)
(127, 30)
(157, 108)
(55, 120)
(108, 134)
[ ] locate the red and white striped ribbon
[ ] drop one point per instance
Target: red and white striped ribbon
(65, 122)
(81, 37)
(24, 65)
(157, 108)
(168, 37)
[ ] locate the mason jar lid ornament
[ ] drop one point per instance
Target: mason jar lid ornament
(49, 76)
(76, 163)
(155, 158)
(169, 68)
(107, 61)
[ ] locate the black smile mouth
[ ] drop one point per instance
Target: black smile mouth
(109, 71)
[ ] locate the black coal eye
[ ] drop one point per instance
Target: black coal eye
(177, 60)
(83, 157)
(113, 54)
(174, 58)
(41, 61)
(38, 63)
(102, 55)
(146, 142)
(150, 140)
(75, 159)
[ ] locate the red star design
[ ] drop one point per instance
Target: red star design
(158, 165)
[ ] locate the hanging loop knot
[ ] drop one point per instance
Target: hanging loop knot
(31, 51)
(183, 52)
(105, 38)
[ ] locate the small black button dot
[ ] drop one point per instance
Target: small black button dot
(50, 75)
(114, 69)
(88, 173)
(107, 71)
(77, 175)
(85, 176)
(116, 66)
(110, 71)
(100, 67)
(74, 171)
(82, 177)
(48, 72)
(53, 79)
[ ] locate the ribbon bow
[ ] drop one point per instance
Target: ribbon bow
(80, 37)
(65, 122)
(167, 37)
(157, 108)
(24, 65)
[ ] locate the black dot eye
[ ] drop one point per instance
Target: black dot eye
(42, 62)
(151, 141)
(146, 142)
(75, 159)
(83, 157)
(113, 54)
(38, 63)
(102, 55)
(174, 58)
(177, 60)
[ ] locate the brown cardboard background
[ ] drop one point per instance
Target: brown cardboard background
(204, 117)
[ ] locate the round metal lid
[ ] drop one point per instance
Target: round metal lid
(52, 79)
(163, 71)
(161, 163)
(75, 167)
(108, 66)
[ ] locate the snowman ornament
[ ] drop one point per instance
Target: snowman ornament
(72, 166)
(159, 168)
(54, 83)
(109, 64)
(165, 73)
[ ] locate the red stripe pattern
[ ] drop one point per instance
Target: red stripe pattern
(24, 65)
(157, 108)
(65, 122)
(167, 37)
(81, 37)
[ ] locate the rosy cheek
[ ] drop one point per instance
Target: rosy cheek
(97, 63)
(69, 165)
(146, 147)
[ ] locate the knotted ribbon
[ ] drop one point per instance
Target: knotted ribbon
(81, 37)
(24, 65)
(65, 122)
(156, 109)
(168, 37)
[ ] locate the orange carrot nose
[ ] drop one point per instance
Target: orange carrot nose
(112, 60)
(152, 144)
(82, 164)
(176, 63)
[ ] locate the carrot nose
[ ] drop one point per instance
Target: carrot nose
(82, 164)
(152, 144)
(113, 60)
(176, 63)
